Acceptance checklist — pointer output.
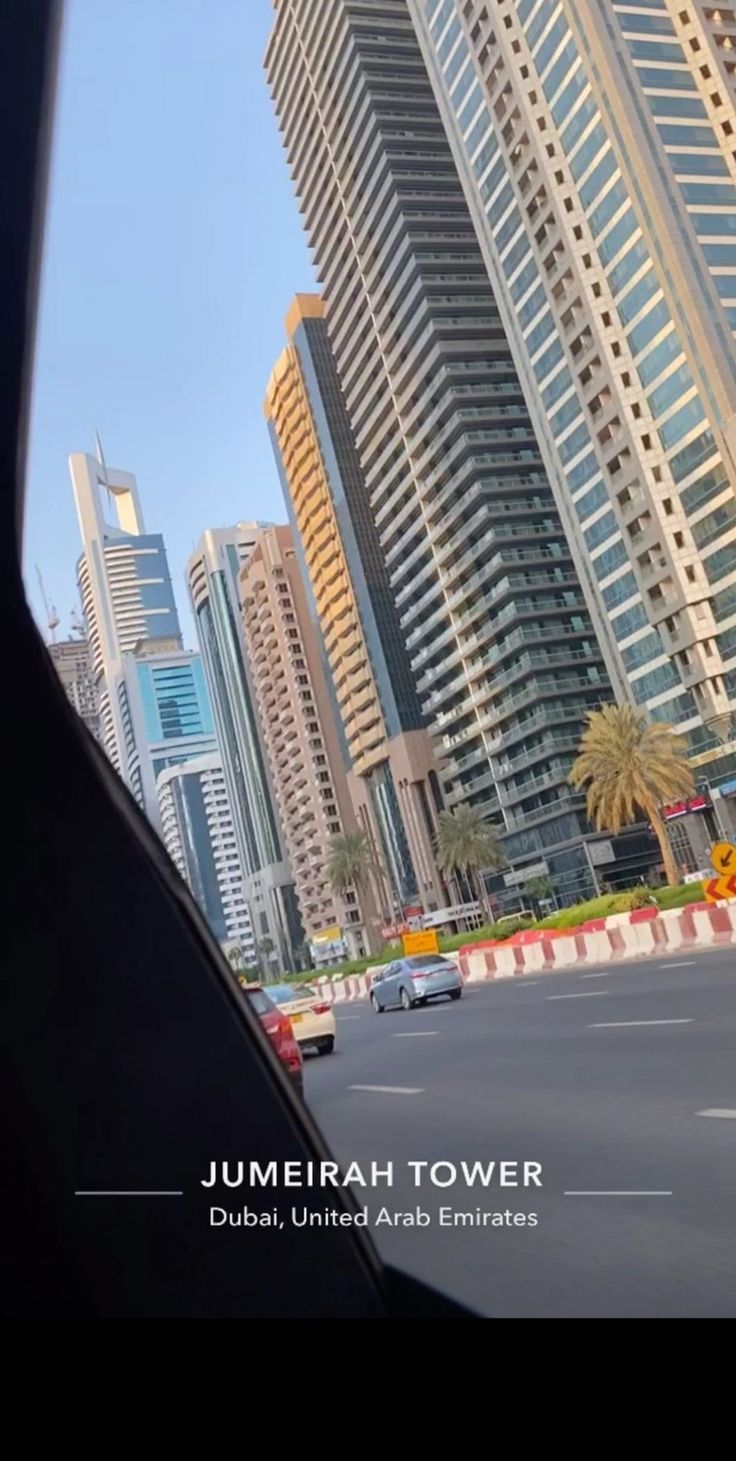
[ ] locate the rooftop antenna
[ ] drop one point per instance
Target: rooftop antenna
(100, 452)
(103, 464)
(52, 618)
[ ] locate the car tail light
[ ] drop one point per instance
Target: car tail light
(321, 1009)
(421, 974)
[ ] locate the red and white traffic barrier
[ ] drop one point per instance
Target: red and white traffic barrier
(645, 931)
(623, 936)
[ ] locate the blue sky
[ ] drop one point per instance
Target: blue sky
(173, 247)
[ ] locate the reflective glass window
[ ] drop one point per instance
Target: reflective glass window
(692, 455)
(654, 363)
(617, 593)
(627, 267)
(677, 106)
(666, 79)
(599, 531)
(673, 430)
(647, 328)
(655, 682)
(617, 236)
(674, 386)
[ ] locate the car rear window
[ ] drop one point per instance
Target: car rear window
(260, 1001)
(426, 961)
(284, 993)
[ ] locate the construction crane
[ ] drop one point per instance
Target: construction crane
(52, 618)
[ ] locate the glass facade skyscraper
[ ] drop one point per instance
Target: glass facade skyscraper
(165, 714)
(124, 581)
(213, 579)
(596, 145)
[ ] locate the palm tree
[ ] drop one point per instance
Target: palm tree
(629, 763)
(352, 863)
(266, 947)
(467, 844)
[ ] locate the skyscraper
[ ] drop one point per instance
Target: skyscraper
(490, 603)
(199, 835)
(73, 663)
(595, 143)
(213, 578)
(392, 771)
(164, 710)
(302, 744)
(154, 706)
(124, 580)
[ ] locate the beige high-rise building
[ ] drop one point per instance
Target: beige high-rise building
(392, 769)
(73, 661)
(300, 734)
(596, 143)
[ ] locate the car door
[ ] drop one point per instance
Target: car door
(390, 985)
(378, 985)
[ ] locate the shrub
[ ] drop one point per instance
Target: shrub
(641, 898)
(681, 896)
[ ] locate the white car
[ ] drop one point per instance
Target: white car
(310, 1013)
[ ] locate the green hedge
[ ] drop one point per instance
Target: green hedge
(679, 897)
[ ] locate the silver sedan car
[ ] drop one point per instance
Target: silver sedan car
(414, 980)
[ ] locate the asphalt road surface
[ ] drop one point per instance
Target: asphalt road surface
(602, 1076)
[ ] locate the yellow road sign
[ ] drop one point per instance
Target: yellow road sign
(718, 889)
(723, 858)
(425, 942)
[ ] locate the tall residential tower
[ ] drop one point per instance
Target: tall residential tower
(596, 143)
(302, 742)
(199, 835)
(490, 602)
(392, 771)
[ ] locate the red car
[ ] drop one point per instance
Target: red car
(278, 1028)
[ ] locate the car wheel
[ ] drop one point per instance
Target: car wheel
(455, 993)
(327, 1046)
(406, 999)
(375, 1006)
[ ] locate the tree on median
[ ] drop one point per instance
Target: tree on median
(631, 764)
(467, 844)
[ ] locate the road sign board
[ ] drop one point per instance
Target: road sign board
(524, 874)
(719, 889)
(421, 943)
(601, 853)
(723, 858)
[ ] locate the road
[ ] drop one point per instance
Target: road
(598, 1074)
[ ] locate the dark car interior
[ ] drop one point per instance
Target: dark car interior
(131, 1062)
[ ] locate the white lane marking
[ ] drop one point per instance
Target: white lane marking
(604, 975)
(720, 1114)
(678, 964)
(391, 1090)
(597, 1193)
(344, 1018)
(412, 1034)
(527, 983)
(627, 1024)
(588, 994)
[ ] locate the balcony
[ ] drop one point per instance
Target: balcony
(568, 801)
